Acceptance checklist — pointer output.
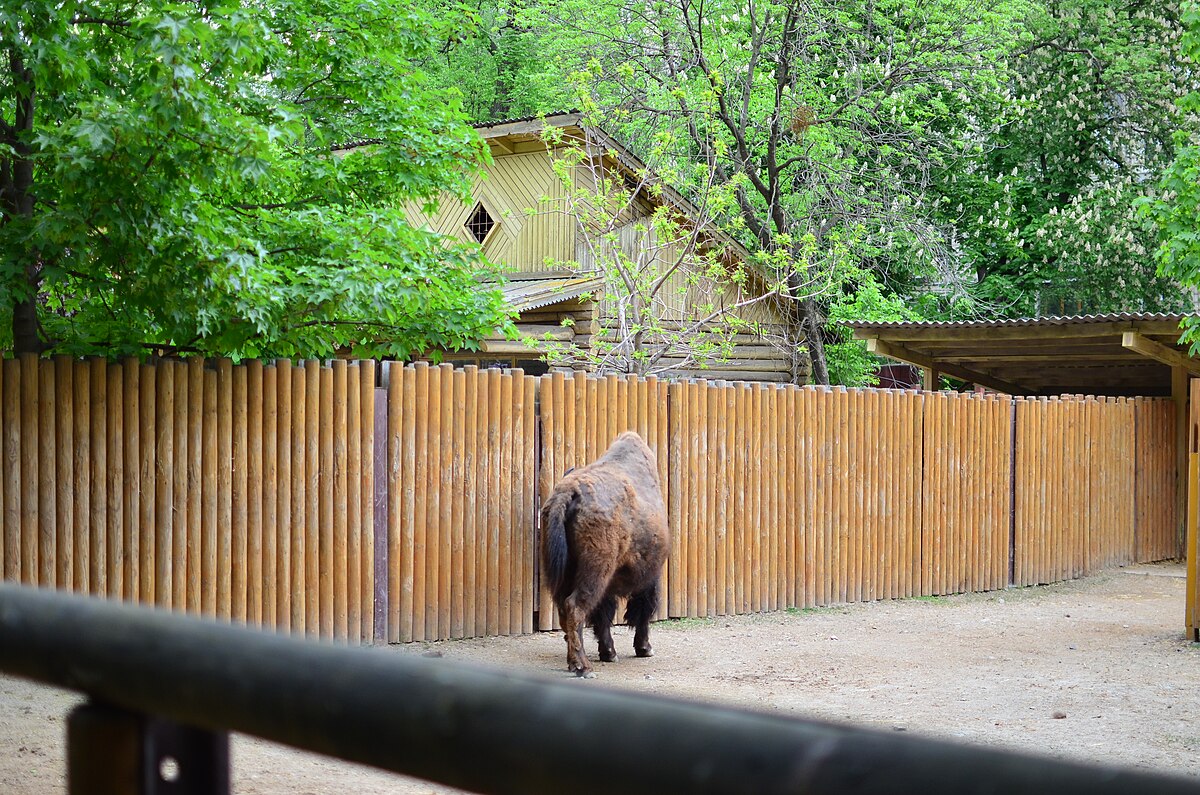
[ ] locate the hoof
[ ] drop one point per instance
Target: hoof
(588, 674)
(609, 657)
(646, 652)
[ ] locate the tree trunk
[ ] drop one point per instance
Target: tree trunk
(17, 201)
(812, 322)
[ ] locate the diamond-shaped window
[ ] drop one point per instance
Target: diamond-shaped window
(480, 223)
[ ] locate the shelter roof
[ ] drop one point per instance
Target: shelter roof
(1115, 354)
(525, 293)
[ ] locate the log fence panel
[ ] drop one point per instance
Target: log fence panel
(246, 491)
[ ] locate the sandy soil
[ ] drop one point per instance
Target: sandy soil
(1096, 669)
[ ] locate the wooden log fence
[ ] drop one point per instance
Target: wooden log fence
(268, 494)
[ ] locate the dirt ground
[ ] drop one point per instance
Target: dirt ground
(1096, 669)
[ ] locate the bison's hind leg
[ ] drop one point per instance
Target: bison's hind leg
(602, 620)
(638, 611)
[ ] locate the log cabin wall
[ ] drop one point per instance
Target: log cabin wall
(531, 232)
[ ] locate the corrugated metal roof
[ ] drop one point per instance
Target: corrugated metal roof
(1069, 320)
(520, 119)
(527, 294)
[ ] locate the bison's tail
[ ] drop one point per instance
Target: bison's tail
(554, 526)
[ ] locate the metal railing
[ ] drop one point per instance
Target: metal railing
(166, 688)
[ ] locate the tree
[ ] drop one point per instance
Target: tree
(1045, 211)
(1176, 207)
(171, 178)
(825, 121)
(489, 57)
(678, 293)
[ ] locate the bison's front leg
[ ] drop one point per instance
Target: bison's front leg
(572, 620)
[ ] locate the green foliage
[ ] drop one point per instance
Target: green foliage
(1045, 210)
(858, 295)
(1176, 207)
(488, 58)
(184, 190)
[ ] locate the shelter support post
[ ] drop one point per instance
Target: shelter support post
(1191, 490)
(112, 751)
(929, 379)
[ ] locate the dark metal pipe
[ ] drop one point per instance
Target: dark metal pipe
(486, 730)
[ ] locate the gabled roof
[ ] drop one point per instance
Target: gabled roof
(1114, 354)
(530, 128)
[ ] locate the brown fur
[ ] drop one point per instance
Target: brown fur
(605, 536)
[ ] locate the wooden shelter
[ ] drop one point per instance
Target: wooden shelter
(516, 216)
(1113, 355)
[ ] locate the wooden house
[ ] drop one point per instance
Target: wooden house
(555, 289)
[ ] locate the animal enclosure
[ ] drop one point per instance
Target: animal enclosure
(306, 499)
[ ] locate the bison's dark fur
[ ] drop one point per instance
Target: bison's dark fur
(606, 537)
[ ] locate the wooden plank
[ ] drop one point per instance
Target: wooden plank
(443, 463)
(81, 487)
(470, 422)
(738, 496)
(758, 509)
(326, 563)
(404, 487)
(719, 490)
(225, 546)
(146, 523)
(826, 496)
(455, 564)
(208, 496)
(368, 528)
(529, 505)
(553, 410)
(47, 553)
(179, 491)
(433, 484)
(253, 469)
(15, 474)
(194, 467)
(444, 453)
(239, 503)
(661, 423)
(270, 497)
(100, 527)
(315, 410)
(61, 412)
(807, 491)
(486, 492)
(298, 620)
(695, 486)
(285, 422)
(873, 548)
(676, 601)
(340, 547)
(357, 600)
(423, 506)
(496, 487)
(704, 491)
(516, 501)
(928, 492)
(164, 483)
(115, 482)
(31, 469)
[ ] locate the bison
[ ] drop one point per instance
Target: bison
(606, 536)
